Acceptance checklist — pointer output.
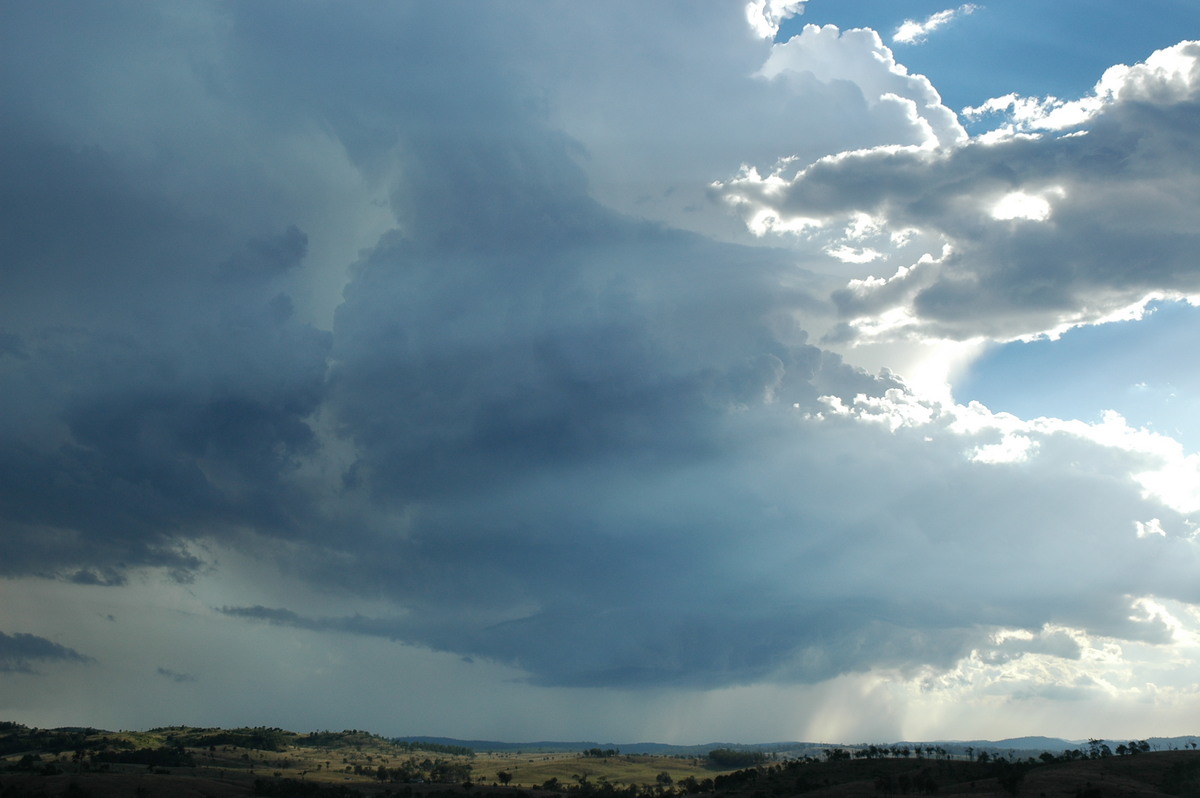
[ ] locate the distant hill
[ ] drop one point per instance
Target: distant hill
(558, 746)
(791, 747)
(1019, 746)
(1030, 743)
(1186, 743)
(540, 746)
(1032, 746)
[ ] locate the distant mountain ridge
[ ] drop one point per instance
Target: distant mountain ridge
(1025, 746)
(555, 746)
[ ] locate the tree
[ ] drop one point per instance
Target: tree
(1009, 776)
(727, 757)
(504, 777)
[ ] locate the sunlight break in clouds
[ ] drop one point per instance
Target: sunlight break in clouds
(912, 32)
(1031, 207)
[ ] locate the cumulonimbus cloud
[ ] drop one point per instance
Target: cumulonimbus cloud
(543, 432)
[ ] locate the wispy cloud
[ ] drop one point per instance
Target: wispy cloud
(913, 32)
(179, 678)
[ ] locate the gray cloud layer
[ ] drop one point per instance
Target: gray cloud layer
(546, 433)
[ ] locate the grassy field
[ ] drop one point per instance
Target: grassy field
(533, 769)
(182, 762)
(188, 760)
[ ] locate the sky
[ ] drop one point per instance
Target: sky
(605, 371)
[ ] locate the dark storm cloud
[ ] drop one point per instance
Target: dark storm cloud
(693, 646)
(558, 402)
(127, 435)
(462, 366)
(20, 652)
(778, 564)
(160, 385)
(107, 576)
(11, 346)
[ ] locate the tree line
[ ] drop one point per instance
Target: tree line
(434, 748)
(414, 771)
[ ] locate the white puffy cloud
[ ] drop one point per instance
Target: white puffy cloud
(651, 142)
(1041, 232)
(858, 58)
(1166, 77)
(764, 16)
(913, 32)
